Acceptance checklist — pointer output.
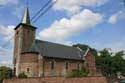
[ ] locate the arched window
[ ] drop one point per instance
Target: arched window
(78, 66)
(52, 65)
(66, 65)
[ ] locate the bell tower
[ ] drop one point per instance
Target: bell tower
(24, 37)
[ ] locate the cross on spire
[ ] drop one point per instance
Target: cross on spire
(27, 3)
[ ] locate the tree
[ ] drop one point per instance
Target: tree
(81, 46)
(105, 62)
(5, 72)
(119, 62)
(22, 75)
(85, 47)
(109, 64)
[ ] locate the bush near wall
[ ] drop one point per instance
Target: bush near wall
(78, 73)
(22, 75)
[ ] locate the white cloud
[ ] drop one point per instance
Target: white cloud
(7, 32)
(115, 17)
(62, 29)
(115, 46)
(74, 6)
(18, 11)
(5, 57)
(118, 46)
(6, 63)
(4, 52)
(6, 2)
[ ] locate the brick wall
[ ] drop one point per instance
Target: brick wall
(29, 64)
(39, 66)
(90, 63)
(29, 58)
(24, 37)
(60, 69)
(58, 80)
(28, 36)
(36, 65)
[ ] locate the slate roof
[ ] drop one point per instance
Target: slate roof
(54, 50)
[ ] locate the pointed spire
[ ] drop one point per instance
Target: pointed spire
(26, 17)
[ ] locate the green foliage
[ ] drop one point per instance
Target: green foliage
(105, 62)
(5, 72)
(78, 73)
(85, 47)
(81, 46)
(22, 75)
(1, 80)
(109, 64)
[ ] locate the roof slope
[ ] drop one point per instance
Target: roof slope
(54, 50)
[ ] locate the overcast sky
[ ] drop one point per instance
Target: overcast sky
(97, 23)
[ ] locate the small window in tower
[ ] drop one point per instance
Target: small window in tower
(17, 32)
(28, 69)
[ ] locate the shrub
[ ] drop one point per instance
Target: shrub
(1, 80)
(78, 73)
(22, 75)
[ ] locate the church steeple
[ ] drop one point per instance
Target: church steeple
(24, 37)
(26, 17)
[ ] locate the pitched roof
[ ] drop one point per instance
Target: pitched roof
(54, 50)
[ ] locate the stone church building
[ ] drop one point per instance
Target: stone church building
(37, 58)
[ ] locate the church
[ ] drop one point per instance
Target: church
(38, 58)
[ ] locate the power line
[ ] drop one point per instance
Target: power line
(124, 2)
(4, 45)
(27, 3)
(40, 9)
(43, 8)
(50, 6)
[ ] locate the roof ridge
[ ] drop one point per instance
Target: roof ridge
(57, 43)
(87, 51)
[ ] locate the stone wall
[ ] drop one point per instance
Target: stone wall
(58, 80)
